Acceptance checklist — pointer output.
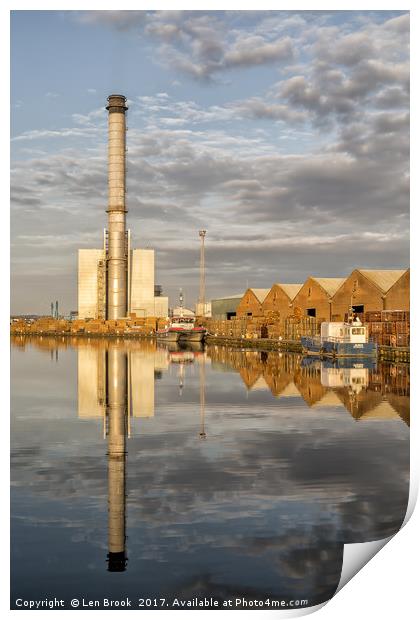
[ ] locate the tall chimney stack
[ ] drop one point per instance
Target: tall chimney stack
(117, 254)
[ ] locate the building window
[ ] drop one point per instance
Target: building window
(359, 309)
(309, 291)
(310, 311)
(249, 313)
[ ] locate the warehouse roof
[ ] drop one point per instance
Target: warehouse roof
(383, 278)
(238, 296)
(330, 285)
(260, 293)
(291, 290)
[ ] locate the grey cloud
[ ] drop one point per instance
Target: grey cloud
(254, 50)
(200, 47)
(121, 20)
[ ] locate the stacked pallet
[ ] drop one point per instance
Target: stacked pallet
(295, 327)
(389, 327)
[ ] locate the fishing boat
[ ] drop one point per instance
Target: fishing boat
(341, 339)
(181, 329)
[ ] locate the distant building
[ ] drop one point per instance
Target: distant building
(141, 285)
(225, 308)
(181, 311)
(251, 302)
(315, 297)
(203, 309)
(372, 289)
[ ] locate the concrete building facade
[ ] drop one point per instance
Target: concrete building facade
(251, 302)
(315, 297)
(89, 293)
(372, 289)
(140, 285)
(279, 299)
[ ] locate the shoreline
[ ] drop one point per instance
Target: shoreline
(385, 353)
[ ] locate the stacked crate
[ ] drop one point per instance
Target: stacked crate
(389, 328)
(295, 327)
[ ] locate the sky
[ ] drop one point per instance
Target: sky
(284, 134)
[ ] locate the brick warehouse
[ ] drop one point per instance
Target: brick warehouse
(278, 302)
(315, 297)
(372, 289)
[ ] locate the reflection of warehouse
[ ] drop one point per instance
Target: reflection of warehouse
(370, 394)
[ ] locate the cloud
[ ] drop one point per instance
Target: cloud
(316, 160)
(200, 46)
(121, 20)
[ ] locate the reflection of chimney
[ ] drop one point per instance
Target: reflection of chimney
(117, 429)
(117, 256)
(202, 359)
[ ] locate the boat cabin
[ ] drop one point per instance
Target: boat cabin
(183, 322)
(353, 332)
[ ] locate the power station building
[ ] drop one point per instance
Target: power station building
(117, 281)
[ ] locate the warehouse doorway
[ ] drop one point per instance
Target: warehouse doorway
(230, 315)
(310, 311)
(358, 309)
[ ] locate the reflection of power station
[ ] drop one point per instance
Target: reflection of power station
(114, 384)
(143, 366)
(115, 281)
(116, 430)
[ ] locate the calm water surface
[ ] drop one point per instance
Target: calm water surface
(145, 472)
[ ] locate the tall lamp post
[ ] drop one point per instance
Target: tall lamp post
(202, 296)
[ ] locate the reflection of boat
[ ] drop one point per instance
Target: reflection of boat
(182, 329)
(341, 362)
(195, 347)
(340, 339)
(181, 357)
(354, 378)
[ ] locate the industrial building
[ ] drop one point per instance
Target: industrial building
(224, 308)
(251, 302)
(117, 281)
(372, 289)
(279, 299)
(315, 297)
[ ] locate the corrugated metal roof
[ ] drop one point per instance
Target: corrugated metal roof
(260, 293)
(330, 285)
(291, 290)
(383, 278)
(238, 296)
